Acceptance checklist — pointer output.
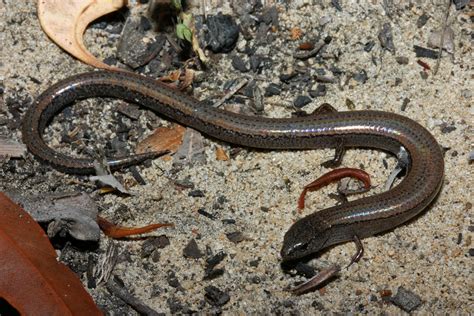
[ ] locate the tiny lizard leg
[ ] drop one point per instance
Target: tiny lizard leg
(338, 155)
(359, 252)
(117, 163)
(323, 109)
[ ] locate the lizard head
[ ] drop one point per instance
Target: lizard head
(305, 237)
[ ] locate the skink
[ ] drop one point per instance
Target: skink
(369, 129)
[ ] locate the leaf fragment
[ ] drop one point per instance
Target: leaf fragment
(31, 278)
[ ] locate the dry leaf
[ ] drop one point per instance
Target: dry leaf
(115, 231)
(74, 213)
(10, 148)
(163, 138)
(221, 155)
(32, 280)
(65, 22)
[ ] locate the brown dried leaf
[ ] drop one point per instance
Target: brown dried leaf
(65, 22)
(163, 138)
(221, 155)
(116, 231)
(32, 280)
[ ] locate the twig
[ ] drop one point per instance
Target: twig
(116, 287)
(231, 92)
(443, 30)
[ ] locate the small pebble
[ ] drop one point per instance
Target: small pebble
(173, 280)
(460, 4)
(272, 89)
(215, 296)
(301, 101)
(405, 103)
(406, 300)
(320, 91)
(425, 52)
(361, 76)
(368, 46)
(221, 33)
(203, 212)
(402, 60)
(235, 237)
(270, 16)
(215, 260)
(196, 193)
(422, 20)
(239, 64)
(386, 38)
(192, 250)
(336, 4)
(445, 128)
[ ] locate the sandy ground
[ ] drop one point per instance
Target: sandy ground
(431, 256)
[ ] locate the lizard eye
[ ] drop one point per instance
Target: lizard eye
(302, 246)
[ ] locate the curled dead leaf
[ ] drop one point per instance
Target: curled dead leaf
(221, 155)
(163, 138)
(65, 22)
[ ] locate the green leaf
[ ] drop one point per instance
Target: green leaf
(183, 32)
(177, 4)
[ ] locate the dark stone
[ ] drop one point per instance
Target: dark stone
(424, 75)
(425, 52)
(215, 260)
(445, 128)
(132, 50)
(173, 280)
(203, 212)
(228, 221)
(305, 270)
(221, 34)
(317, 305)
(270, 16)
(150, 247)
(287, 77)
(368, 46)
(175, 305)
(460, 4)
(301, 101)
(406, 101)
(471, 252)
(422, 20)
(254, 263)
(215, 296)
(249, 89)
(196, 193)
(402, 60)
(192, 250)
(235, 237)
(239, 64)
(336, 4)
(272, 89)
(406, 300)
(320, 91)
(213, 273)
(222, 199)
(145, 23)
(386, 38)
(161, 242)
(361, 76)
(256, 63)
